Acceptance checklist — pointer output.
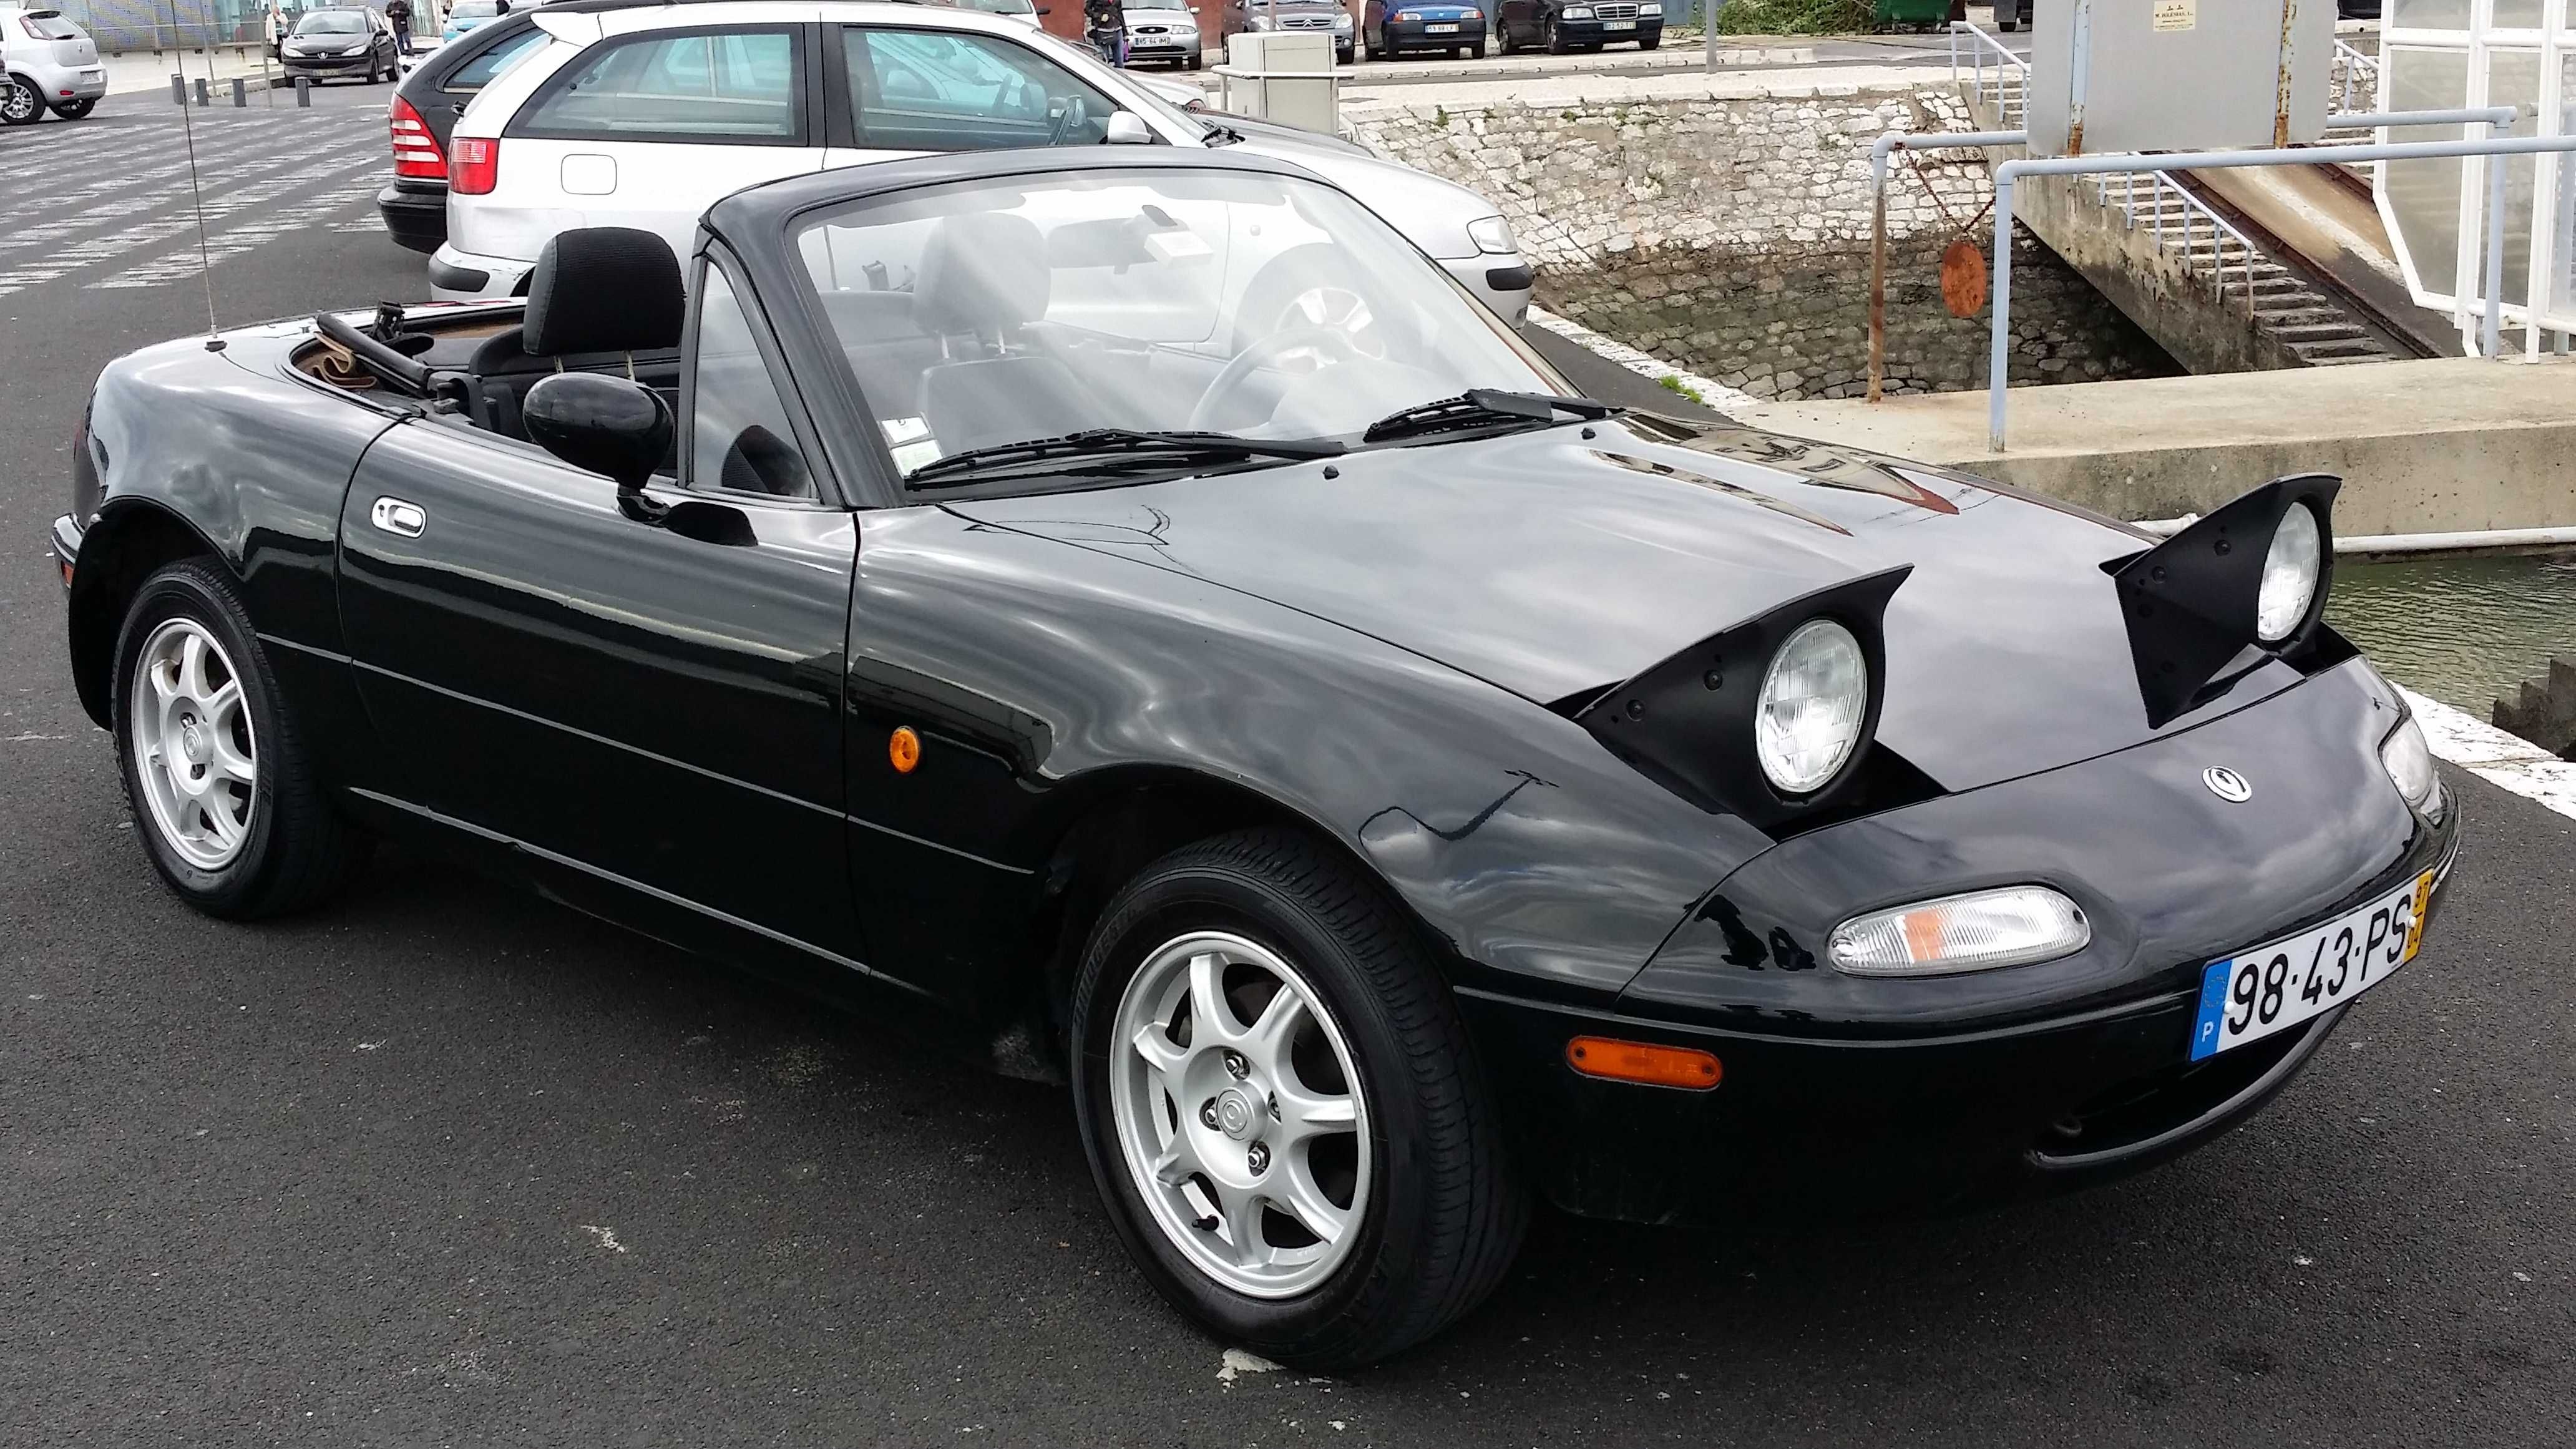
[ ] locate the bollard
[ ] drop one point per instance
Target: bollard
(178, 90)
(241, 94)
(203, 98)
(304, 91)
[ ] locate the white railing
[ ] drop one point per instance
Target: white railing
(1999, 76)
(2356, 86)
(2133, 192)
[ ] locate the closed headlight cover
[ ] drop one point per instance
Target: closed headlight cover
(1490, 234)
(1814, 700)
(2290, 572)
(1979, 931)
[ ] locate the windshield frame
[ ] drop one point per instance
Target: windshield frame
(867, 434)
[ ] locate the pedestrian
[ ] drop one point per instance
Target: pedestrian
(1107, 21)
(399, 12)
(275, 26)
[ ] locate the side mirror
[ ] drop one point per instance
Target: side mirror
(1126, 128)
(604, 425)
(1042, 10)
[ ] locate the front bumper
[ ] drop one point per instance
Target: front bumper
(456, 276)
(1501, 280)
(1399, 37)
(1852, 1094)
(325, 66)
(1181, 48)
(415, 214)
(1595, 32)
(64, 541)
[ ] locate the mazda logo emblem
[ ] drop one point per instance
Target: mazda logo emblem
(2226, 784)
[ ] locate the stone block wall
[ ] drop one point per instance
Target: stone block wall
(1731, 235)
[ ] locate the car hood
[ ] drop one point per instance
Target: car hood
(1432, 213)
(1555, 565)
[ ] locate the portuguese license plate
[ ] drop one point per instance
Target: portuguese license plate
(1618, 24)
(2250, 996)
(1440, 30)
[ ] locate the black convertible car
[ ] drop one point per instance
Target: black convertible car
(1136, 603)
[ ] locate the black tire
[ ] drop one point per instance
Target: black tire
(21, 104)
(1556, 44)
(76, 110)
(1650, 42)
(1503, 33)
(1445, 1216)
(297, 850)
(1476, 51)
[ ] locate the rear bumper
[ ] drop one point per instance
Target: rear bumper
(415, 218)
(60, 83)
(456, 276)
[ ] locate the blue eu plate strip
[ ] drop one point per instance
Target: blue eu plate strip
(2213, 1006)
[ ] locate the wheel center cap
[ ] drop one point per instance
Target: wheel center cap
(1236, 1114)
(192, 743)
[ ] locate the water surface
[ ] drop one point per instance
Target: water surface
(2461, 630)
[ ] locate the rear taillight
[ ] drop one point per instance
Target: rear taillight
(473, 165)
(415, 145)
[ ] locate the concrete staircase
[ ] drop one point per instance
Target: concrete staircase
(2304, 321)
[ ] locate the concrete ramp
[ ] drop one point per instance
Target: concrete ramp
(2425, 446)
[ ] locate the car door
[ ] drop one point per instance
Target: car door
(642, 693)
(649, 129)
(902, 92)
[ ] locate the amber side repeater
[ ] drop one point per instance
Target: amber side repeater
(903, 749)
(1643, 1062)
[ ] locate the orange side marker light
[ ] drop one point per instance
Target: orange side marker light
(903, 749)
(1643, 1062)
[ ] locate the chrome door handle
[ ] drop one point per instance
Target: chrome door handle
(395, 516)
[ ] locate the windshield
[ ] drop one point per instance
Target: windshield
(999, 7)
(332, 22)
(1009, 310)
(1156, 4)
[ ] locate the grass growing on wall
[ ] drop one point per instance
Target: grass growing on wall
(1795, 17)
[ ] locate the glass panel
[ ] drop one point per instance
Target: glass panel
(2562, 292)
(2425, 195)
(2428, 15)
(922, 90)
(477, 73)
(741, 85)
(739, 437)
(2513, 79)
(2518, 14)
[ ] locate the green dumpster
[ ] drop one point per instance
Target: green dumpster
(1920, 14)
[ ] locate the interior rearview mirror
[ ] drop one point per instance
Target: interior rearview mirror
(1126, 128)
(604, 425)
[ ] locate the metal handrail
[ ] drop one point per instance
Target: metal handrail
(2221, 232)
(2356, 65)
(1980, 46)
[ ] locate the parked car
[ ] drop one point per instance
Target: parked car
(1163, 31)
(1023, 11)
(423, 115)
(1384, 782)
(1559, 26)
(466, 15)
(46, 63)
(647, 113)
(342, 41)
(2012, 14)
(1399, 29)
(1243, 15)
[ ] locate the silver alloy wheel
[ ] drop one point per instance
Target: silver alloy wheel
(1334, 309)
(1248, 1140)
(194, 751)
(19, 103)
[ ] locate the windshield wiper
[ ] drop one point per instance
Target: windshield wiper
(1218, 135)
(1120, 446)
(1478, 406)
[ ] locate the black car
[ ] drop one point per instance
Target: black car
(1559, 26)
(424, 112)
(1385, 785)
(341, 41)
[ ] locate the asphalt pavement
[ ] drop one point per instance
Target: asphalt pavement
(446, 1164)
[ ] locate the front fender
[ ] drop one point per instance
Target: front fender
(1043, 671)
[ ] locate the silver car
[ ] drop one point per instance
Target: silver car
(51, 64)
(1163, 31)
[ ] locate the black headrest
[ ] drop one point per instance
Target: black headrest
(983, 271)
(604, 289)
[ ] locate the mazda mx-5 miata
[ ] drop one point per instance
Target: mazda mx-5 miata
(1138, 603)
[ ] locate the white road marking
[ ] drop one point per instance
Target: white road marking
(605, 1237)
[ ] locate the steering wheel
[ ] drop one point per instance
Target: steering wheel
(1231, 378)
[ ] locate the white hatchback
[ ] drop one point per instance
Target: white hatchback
(644, 115)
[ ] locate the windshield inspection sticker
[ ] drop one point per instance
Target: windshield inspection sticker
(2173, 15)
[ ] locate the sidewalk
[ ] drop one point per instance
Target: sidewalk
(139, 71)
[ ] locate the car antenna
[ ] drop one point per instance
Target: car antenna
(197, 203)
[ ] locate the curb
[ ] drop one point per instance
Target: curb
(1711, 394)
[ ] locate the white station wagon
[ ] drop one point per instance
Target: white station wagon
(644, 115)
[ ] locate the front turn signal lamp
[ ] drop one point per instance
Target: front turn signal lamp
(1979, 931)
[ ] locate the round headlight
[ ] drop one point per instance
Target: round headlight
(1813, 699)
(2289, 575)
